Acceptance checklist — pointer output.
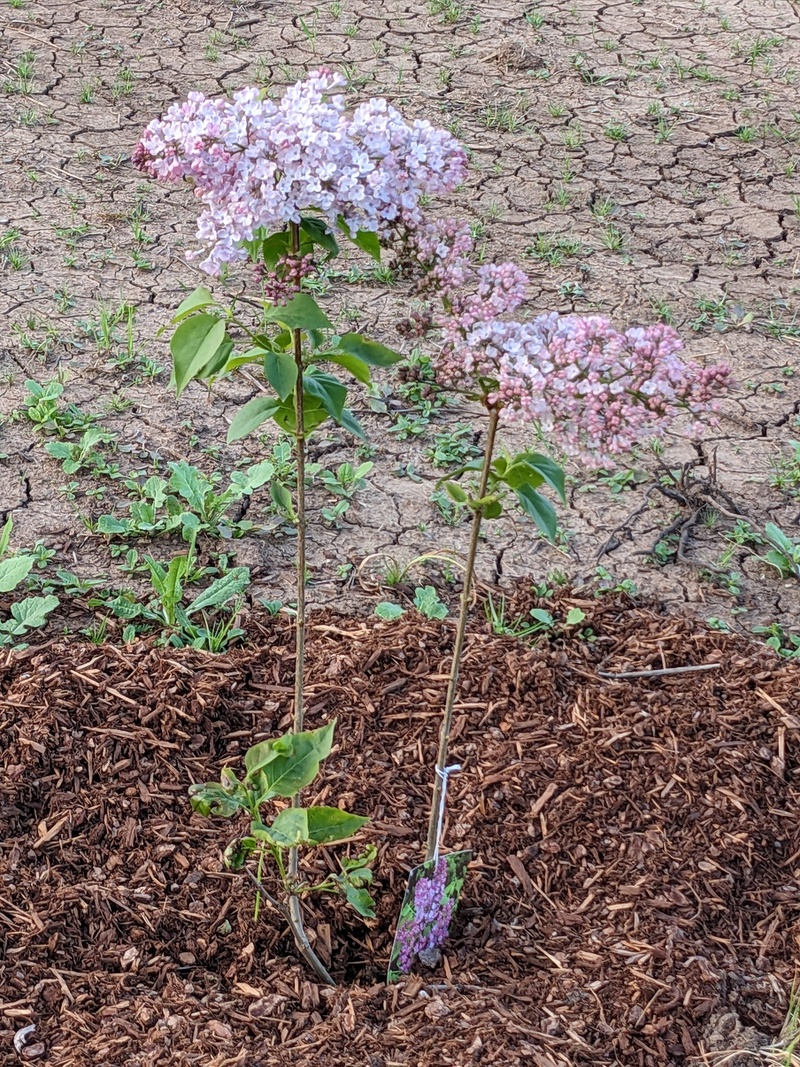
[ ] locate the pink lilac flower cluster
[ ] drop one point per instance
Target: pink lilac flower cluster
(433, 914)
(437, 253)
(258, 165)
(595, 390)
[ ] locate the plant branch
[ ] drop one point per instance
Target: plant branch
(295, 913)
(452, 687)
(294, 918)
(272, 901)
(302, 942)
(300, 456)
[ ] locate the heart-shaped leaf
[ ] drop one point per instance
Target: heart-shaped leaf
(302, 312)
(251, 416)
(281, 371)
(194, 344)
(291, 762)
(539, 509)
(314, 826)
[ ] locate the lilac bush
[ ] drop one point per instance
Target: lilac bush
(591, 390)
(279, 184)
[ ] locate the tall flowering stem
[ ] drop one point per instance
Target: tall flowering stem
(434, 824)
(280, 185)
(295, 912)
(300, 457)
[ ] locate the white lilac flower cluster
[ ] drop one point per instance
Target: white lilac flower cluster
(258, 165)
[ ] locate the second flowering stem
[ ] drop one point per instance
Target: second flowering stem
(434, 824)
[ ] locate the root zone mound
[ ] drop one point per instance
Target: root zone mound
(637, 847)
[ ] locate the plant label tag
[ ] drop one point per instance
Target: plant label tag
(427, 913)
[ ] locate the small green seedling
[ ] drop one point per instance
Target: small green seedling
(30, 612)
(427, 602)
(784, 555)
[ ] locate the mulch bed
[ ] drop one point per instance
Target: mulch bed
(637, 847)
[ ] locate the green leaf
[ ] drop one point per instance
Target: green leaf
(199, 298)
(366, 240)
(281, 371)
(575, 616)
(251, 416)
(778, 538)
(357, 867)
(360, 900)
(254, 477)
(319, 234)
(274, 247)
(313, 414)
(5, 536)
(221, 590)
(189, 483)
(219, 361)
(252, 355)
(329, 391)
(357, 367)
(775, 557)
(455, 492)
(552, 474)
(238, 852)
(388, 611)
(13, 571)
(193, 345)
(519, 474)
(350, 423)
(211, 798)
(282, 499)
(156, 489)
(426, 601)
(59, 449)
(492, 510)
(124, 608)
(301, 313)
(542, 616)
(31, 612)
(291, 762)
(171, 590)
(539, 509)
(314, 826)
(369, 352)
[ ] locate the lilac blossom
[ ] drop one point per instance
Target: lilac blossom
(433, 914)
(593, 389)
(258, 165)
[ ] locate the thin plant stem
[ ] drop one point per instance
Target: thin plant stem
(300, 457)
(458, 647)
(306, 951)
(295, 914)
(259, 872)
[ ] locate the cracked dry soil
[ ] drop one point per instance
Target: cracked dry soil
(636, 161)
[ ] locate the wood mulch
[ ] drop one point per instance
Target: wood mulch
(637, 847)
